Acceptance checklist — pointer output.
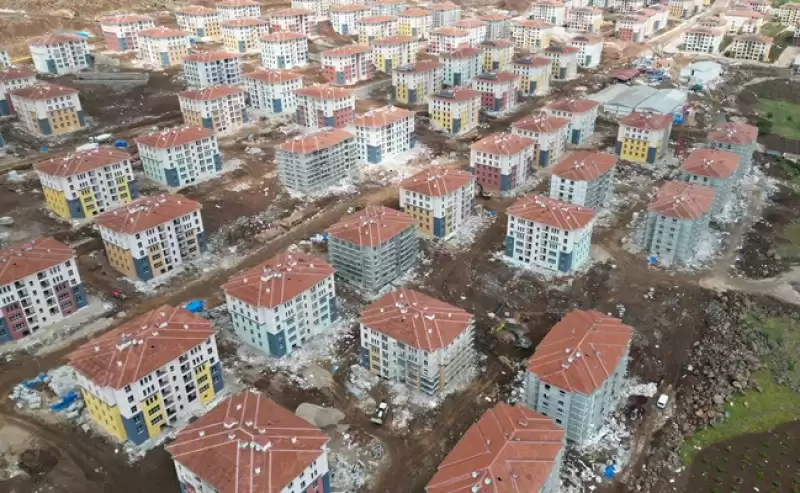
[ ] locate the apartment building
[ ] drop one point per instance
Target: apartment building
(284, 50)
(681, 9)
(628, 6)
(373, 247)
(445, 13)
(549, 234)
(347, 65)
(477, 29)
(440, 199)
(220, 108)
(576, 373)
(763, 6)
(739, 138)
(498, 90)
(460, 66)
(155, 371)
(152, 235)
(631, 28)
(415, 22)
(585, 19)
(534, 75)
(238, 9)
(743, 22)
(325, 106)
(448, 39)
(565, 62)
(13, 78)
(273, 91)
(376, 27)
(181, 156)
(59, 54)
(788, 14)
(242, 35)
(39, 285)
(279, 305)
(657, 16)
(677, 218)
(393, 52)
(584, 178)
(294, 21)
(702, 40)
(582, 114)
(713, 21)
(344, 18)
(502, 162)
(319, 7)
(47, 109)
(388, 7)
(410, 338)
(504, 435)
(455, 111)
(498, 26)
(531, 34)
(5, 59)
(551, 11)
(411, 84)
(385, 132)
(497, 56)
(590, 49)
(202, 69)
(550, 134)
(162, 46)
(712, 168)
(211, 453)
(314, 162)
(86, 183)
(643, 137)
(751, 47)
(198, 21)
(121, 32)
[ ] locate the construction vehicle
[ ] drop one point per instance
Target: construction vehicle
(379, 416)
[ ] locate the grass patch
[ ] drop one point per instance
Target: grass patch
(784, 116)
(772, 29)
(774, 406)
(790, 246)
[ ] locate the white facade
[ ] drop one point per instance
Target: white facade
(347, 65)
(345, 19)
(221, 108)
(242, 35)
(122, 32)
(502, 162)
(201, 22)
(448, 39)
(336, 106)
(590, 50)
(442, 196)
(549, 133)
(551, 11)
(293, 20)
(477, 30)
(461, 66)
(201, 70)
(59, 54)
(238, 9)
(534, 74)
(584, 20)
(273, 91)
(451, 106)
(50, 107)
(284, 50)
(533, 35)
(13, 78)
(416, 23)
(5, 59)
(565, 62)
(445, 14)
(376, 27)
(702, 40)
(498, 26)
(582, 115)
(162, 46)
(391, 53)
(384, 132)
(743, 22)
(178, 157)
(423, 78)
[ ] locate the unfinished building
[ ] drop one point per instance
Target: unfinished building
(311, 163)
(441, 199)
(712, 168)
(739, 138)
(584, 178)
(373, 247)
(577, 371)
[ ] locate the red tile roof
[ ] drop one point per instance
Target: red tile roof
(457, 94)
(304, 144)
(418, 67)
(281, 36)
(52, 39)
(372, 226)
(497, 77)
(125, 19)
(503, 143)
(81, 161)
(744, 13)
(535, 61)
(324, 91)
(162, 32)
(705, 30)
(541, 122)
(682, 200)
(734, 133)
(416, 319)
(12, 73)
(273, 75)
(348, 8)
(244, 22)
(196, 10)
(496, 43)
(463, 52)
(291, 12)
(139, 347)
(393, 40)
(42, 90)
(494, 17)
(646, 121)
(573, 105)
(415, 13)
(713, 163)
(584, 165)
(237, 3)
(581, 351)
(278, 280)
(248, 444)
(171, 137)
(437, 181)
(532, 23)
(19, 260)
(450, 31)
(758, 38)
(445, 6)
(376, 19)
(551, 212)
(385, 115)
(511, 449)
(469, 23)
(210, 56)
(347, 50)
(146, 213)
(210, 93)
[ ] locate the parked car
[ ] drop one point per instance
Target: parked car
(661, 403)
(380, 413)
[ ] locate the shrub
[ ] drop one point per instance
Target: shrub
(760, 474)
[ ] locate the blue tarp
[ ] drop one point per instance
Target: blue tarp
(65, 402)
(195, 306)
(39, 379)
(610, 471)
(652, 260)
(122, 144)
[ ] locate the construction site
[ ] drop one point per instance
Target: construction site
(716, 335)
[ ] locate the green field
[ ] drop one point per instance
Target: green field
(785, 117)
